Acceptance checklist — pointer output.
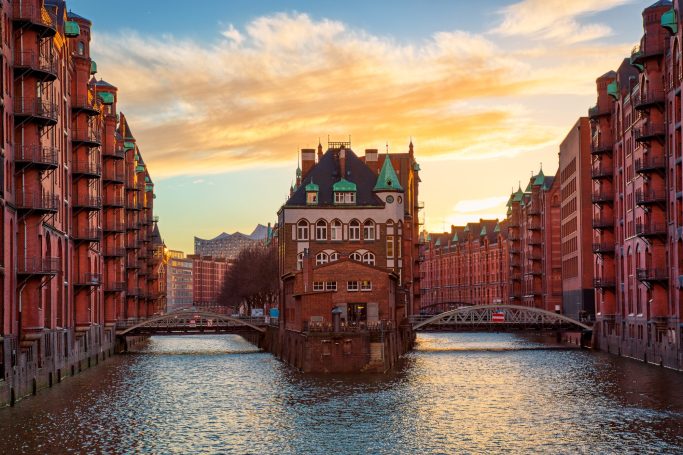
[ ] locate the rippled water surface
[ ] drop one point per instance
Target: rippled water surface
(456, 393)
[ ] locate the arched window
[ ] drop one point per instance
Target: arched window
(321, 258)
(321, 230)
(356, 256)
(334, 256)
(302, 230)
(300, 261)
(369, 258)
(369, 230)
(81, 48)
(336, 230)
(354, 230)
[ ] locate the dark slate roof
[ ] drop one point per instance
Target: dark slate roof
(327, 172)
(71, 15)
(103, 83)
(129, 133)
(60, 6)
(608, 74)
(156, 235)
(625, 73)
(660, 3)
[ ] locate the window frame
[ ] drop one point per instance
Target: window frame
(321, 227)
(330, 285)
(354, 288)
(369, 227)
(302, 226)
(354, 228)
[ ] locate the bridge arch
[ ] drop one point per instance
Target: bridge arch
(193, 319)
(482, 314)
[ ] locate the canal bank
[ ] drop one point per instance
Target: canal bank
(44, 361)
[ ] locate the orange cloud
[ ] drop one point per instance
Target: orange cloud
(257, 95)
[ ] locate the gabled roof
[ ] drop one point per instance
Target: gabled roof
(327, 172)
(387, 179)
(539, 179)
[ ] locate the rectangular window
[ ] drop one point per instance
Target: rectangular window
(318, 286)
(338, 198)
(390, 246)
(366, 285)
(350, 198)
(352, 286)
(331, 286)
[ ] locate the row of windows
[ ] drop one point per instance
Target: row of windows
(302, 229)
(351, 286)
(324, 257)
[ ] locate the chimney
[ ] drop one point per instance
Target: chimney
(371, 160)
(342, 162)
(307, 161)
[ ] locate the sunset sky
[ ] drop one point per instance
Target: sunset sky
(220, 95)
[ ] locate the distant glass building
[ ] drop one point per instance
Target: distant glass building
(228, 246)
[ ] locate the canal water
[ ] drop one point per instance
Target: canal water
(456, 393)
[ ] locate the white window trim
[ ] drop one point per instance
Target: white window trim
(353, 288)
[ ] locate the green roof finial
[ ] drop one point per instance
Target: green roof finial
(312, 187)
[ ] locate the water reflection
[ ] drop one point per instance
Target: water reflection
(473, 393)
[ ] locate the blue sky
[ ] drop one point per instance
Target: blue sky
(220, 94)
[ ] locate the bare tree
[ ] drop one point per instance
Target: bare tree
(252, 279)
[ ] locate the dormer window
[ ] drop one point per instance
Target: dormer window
(312, 194)
(344, 192)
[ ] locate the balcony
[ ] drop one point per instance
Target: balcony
(115, 286)
(35, 109)
(133, 245)
(535, 242)
(86, 169)
(85, 103)
(132, 263)
(598, 111)
(133, 205)
(603, 283)
(601, 172)
(516, 276)
(87, 235)
(39, 266)
(37, 156)
(37, 202)
(30, 15)
(515, 263)
(113, 201)
(534, 226)
(603, 196)
(603, 222)
(533, 211)
(515, 250)
(601, 148)
(113, 226)
(650, 197)
(648, 164)
(134, 292)
(132, 186)
(114, 252)
(652, 275)
(535, 271)
(44, 67)
(113, 175)
(649, 99)
(117, 153)
(647, 230)
(87, 202)
(603, 248)
(88, 280)
(535, 257)
(89, 137)
(643, 52)
(649, 132)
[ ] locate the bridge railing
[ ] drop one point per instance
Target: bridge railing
(377, 326)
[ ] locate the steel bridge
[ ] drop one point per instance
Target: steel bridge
(496, 317)
(192, 322)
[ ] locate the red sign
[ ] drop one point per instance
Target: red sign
(498, 316)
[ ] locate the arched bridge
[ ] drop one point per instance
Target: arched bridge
(193, 322)
(496, 316)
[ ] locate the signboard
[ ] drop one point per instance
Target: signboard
(257, 312)
(274, 313)
(498, 316)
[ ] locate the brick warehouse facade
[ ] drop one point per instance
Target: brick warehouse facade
(347, 250)
(469, 265)
(81, 249)
(638, 209)
(208, 275)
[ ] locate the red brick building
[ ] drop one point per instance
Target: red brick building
(347, 257)
(576, 230)
(208, 275)
(533, 223)
(468, 265)
(637, 207)
(76, 256)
